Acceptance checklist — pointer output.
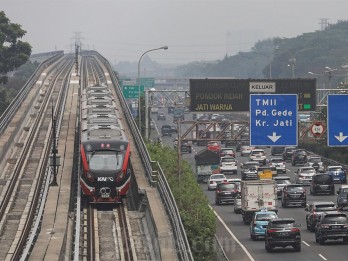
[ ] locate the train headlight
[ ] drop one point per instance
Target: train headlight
(89, 176)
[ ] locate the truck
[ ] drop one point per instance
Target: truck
(258, 195)
(207, 162)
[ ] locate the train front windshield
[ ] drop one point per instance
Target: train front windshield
(106, 161)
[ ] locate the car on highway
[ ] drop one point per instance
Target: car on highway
(214, 146)
(331, 226)
(245, 150)
(322, 183)
(249, 170)
(287, 153)
(304, 175)
(338, 173)
(225, 193)
(185, 147)
(236, 181)
(166, 130)
(314, 210)
(227, 152)
(342, 197)
(258, 155)
(259, 223)
(277, 150)
(161, 116)
(316, 162)
(281, 181)
(299, 156)
(228, 165)
(214, 179)
(294, 194)
(279, 164)
(174, 129)
(282, 232)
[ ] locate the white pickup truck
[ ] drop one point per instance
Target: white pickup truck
(257, 195)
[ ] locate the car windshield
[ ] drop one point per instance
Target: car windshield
(335, 169)
(324, 208)
(344, 190)
(309, 170)
(226, 187)
(228, 160)
(315, 160)
(261, 153)
(265, 217)
(321, 179)
(227, 151)
(335, 220)
(281, 224)
(250, 166)
(301, 152)
(276, 160)
(217, 177)
(293, 188)
(283, 181)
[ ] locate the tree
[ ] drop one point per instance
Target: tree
(13, 52)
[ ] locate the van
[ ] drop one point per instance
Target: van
(322, 183)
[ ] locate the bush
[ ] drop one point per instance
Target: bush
(198, 219)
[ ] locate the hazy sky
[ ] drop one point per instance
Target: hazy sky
(194, 30)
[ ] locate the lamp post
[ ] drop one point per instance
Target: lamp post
(292, 60)
(270, 62)
(139, 101)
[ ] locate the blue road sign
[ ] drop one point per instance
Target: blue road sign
(337, 120)
(273, 120)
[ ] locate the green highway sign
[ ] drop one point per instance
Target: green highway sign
(132, 91)
(147, 82)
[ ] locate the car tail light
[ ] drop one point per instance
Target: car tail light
(271, 230)
(89, 176)
(218, 191)
(295, 230)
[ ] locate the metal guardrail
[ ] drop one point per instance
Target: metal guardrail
(182, 244)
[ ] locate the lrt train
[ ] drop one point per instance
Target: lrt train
(104, 148)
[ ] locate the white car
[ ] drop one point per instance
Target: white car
(279, 164)
(305, 175)
(245, 150)
(228, 165)
(315, 162)
(214, 179)
(258, 155)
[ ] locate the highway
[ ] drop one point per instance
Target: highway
(332, 250)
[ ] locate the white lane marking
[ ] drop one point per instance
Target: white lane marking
(304, 242)
(233, 236)
(322, 257)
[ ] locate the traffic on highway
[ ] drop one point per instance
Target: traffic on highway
(279, 199)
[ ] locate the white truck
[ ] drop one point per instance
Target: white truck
(257, 195)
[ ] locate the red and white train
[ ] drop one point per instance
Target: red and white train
(104, 148)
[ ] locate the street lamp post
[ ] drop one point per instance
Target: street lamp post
(292, 60)
(139, 101)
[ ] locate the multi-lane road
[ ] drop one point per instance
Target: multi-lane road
(332, 250)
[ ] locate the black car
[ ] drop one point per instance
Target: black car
(282, 232)
(322, 183)
(331, 225)
(294, 194)
(225, 192)
(277, 150)
(166, 130)
(314, 210)
(299, 157)
(186, 147)
(287, 153)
